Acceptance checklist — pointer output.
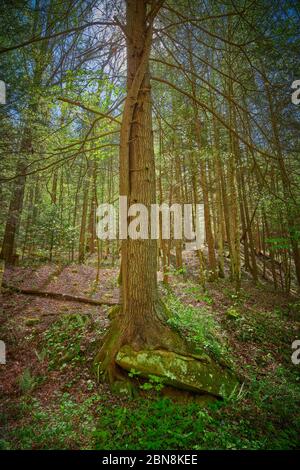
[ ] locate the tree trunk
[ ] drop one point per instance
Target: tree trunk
(53, 201)
(8, 252)
(141, 320)
(82, 237)
(92, 216)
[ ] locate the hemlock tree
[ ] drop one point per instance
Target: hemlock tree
(141, 320)
(140, 323)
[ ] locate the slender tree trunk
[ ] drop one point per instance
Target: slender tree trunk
(75, 212)
(271, 254)
(178, 200)
(212, 263)
(30, 204)
(8, 252)
(53, 201)
(92, 215)
(235, 258)
(82, 237)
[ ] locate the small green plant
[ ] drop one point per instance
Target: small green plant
(154, 383)
(90, 385)
(133, 373)
(176, 271)
(232, 312)
(238, 298)
(27, 382)
(63, 339)
(294, 309)
(197, 293)
(4, 445)
(41, 355)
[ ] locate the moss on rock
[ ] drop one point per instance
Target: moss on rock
(201, 375)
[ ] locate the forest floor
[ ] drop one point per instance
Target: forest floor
(49, 397)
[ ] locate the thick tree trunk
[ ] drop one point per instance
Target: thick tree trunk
(139, 336)
(137, 177)
(141, 320)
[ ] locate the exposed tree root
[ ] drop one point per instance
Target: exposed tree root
(155, 333)
(148, 344)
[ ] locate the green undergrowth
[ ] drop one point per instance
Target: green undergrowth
(255, 419)
(264, 415)
(66, 424)
(199, 326)
(62, 342)
(197, 293)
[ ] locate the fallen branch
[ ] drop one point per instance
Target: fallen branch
(58, 296)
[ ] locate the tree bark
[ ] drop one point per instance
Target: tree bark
(8, 252)
(141, 319)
